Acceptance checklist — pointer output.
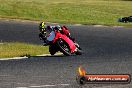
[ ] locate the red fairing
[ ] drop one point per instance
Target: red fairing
(65, 30)
(64, 37)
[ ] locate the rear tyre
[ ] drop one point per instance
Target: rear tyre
(79, 49)
(64, 47)
(77, 45)
(78, 52)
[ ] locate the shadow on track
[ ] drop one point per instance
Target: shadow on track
(60, 55)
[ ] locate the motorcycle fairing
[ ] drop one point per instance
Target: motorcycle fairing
(65, 38)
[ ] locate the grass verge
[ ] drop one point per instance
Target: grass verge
(20, 49)
(105, 12)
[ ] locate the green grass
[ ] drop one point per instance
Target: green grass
(104, 12)
(20, 49)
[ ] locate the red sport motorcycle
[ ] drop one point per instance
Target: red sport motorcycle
(60, 42)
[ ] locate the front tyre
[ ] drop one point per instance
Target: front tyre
(52, 50)
(64, 47)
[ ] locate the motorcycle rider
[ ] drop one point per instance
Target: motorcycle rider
(61, 29)
(64, 30)
(42, 32)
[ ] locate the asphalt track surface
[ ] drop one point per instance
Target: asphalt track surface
(107, 50)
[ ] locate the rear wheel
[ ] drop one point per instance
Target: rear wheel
(64, 47)
(79, 49)
(78, 52)
(77, 45)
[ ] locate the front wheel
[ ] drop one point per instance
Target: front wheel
(64, 47)
(52, 49)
